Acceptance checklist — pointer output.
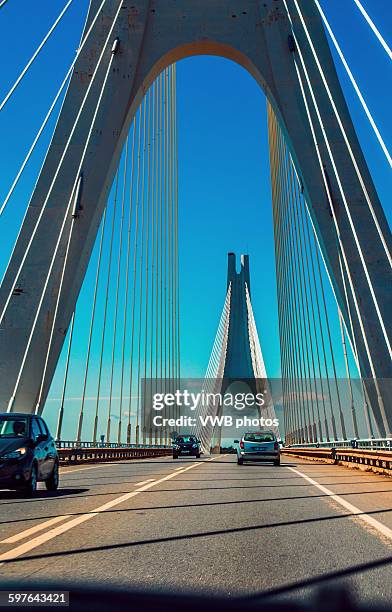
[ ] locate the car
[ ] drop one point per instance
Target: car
(28, 453)
(258, 446)
(186, 445)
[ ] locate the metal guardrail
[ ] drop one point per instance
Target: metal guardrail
(84, 444)
(365, 443)
(377, 460)
(326, 454)
(72, 456)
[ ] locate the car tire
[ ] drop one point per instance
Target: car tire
(30, 487)
(277, 462)
(198, 456)
(52, 483)
(240, 462)
(175, 456)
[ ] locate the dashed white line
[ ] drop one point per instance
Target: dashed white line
(28, 532)
(139, 484)
(60, 529)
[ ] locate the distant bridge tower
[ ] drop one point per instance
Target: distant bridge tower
(240, 366)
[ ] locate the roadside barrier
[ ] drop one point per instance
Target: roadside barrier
(378, 461)
(72, 456)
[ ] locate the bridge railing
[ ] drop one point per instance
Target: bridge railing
(365, 443)
(74, 453)
(370, 454)
(83, 444)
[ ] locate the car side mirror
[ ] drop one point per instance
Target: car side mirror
(236, 441)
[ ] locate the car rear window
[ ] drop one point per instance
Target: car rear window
(13, 427)
(259, 437)
(186, 439)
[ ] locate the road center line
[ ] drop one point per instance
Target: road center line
(28, 532)
(383, 529)
(59, 530)
(91, 467)
(57, 519)
(139, 484)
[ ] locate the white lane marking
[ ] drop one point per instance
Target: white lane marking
(53, 533)
(139, 484)
(28, 532)
(91, 467)
(57, 519)
(383, 529)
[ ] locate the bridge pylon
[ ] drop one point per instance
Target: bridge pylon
(241, 367)
(283, 45)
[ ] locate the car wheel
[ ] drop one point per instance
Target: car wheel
(175, 456)
(198, 456)
(277, 462)
(52, 483)
(30, 487)
(240, 461)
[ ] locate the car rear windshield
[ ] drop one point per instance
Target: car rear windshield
(185, 439)
(13, 427)
(259, 437)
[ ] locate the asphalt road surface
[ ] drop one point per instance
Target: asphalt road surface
(206, 525)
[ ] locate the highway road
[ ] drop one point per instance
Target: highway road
(206, 525)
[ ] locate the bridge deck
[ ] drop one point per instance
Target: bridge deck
(204, 525)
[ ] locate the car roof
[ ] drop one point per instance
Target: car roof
(18, 415)
(186, 436)
(271, 433)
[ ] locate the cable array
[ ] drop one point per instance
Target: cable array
(133, 329)
(314, 408)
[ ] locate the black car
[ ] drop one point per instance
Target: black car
(186, 445)
(28, 453)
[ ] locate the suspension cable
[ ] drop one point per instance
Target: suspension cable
(58, 168)
(135, 250)
(92, 320)
(119, 254)
(35, 54)
(105, 311)
(355, 300)
(46, 119)
(374, 28)
(127, 264)
(355, 84)
(65, 380)
(75, 190)
(340, 186)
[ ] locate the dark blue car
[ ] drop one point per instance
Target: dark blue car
(186, 446)
(28, 453)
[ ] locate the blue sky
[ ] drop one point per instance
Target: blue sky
(224, 186)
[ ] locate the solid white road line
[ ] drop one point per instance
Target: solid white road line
(59, 530)
(139, 484)
(369, 520)
(28, 532)
(57, 519)
(91, 467)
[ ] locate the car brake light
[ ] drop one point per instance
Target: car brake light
(276, 446)
(241, 444)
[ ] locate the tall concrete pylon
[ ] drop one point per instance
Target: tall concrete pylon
(267, 38)
(243, 368)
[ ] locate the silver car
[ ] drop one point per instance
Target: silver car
(258, 446)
